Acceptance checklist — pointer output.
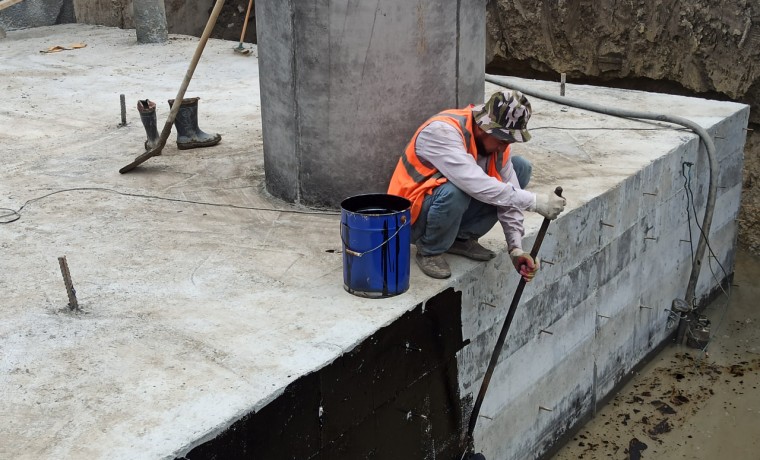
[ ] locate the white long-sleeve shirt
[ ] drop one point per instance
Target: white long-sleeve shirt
(441, 145)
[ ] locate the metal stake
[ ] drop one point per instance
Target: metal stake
(123, 110)
(562, 79)
(73, 304)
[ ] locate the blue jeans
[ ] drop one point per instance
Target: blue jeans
(449, 213)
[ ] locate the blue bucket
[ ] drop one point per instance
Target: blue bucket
(376, 234)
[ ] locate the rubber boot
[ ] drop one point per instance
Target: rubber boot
(147, 109)
(189, 135)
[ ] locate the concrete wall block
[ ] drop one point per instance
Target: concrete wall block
(729, 134)
(488, 285)
(599, 270)
(653, 321)
(730, 170)
(615, 348)
(640, 262)
(726, 205)
(730, 165)
(576, 233)
(521, 429)
(541, 306)
(723, 243)
(611, 222)
(666, 176)
(532, 362)
(659, 178)
(663, 258)
(632, 200)
(615, 257)
(649, 331)
(671, 217)
(545, 310)
(617, 293)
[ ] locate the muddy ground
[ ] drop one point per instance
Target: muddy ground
(690, 403)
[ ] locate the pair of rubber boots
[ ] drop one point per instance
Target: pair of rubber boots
(189, 135)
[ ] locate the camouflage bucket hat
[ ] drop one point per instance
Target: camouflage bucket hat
(505, 116)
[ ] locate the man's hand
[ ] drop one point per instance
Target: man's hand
(524, 264)
(550, 206)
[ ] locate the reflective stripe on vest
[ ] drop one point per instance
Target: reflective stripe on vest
(414, 180)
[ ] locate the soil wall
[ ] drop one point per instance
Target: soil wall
(182, 16)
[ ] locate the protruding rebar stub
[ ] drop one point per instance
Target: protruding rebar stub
(681, 306)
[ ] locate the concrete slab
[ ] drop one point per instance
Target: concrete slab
(203, 297)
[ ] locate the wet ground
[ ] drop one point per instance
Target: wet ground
(689, 403)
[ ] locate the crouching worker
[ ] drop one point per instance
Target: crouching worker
(460, 178)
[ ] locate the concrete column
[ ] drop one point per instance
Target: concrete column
(150, 21)
(344, 85)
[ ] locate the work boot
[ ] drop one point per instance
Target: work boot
(433, 266)
(189, 135)
(471, 249)
(147, 109)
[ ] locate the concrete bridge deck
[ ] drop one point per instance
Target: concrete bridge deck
(204, 299)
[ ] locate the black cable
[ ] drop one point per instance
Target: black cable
(707, 239)
(690, 202)
(17, 213)
(686, 187)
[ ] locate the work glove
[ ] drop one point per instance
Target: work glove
(549, 206)
(524, 264)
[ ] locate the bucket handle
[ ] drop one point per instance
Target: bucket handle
(404, 223)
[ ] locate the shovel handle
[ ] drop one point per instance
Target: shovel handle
(503, 334)
(542, 231)
(245, 22)
(181, 92)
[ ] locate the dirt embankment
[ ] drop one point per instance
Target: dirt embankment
(187, 17)
(700, 48)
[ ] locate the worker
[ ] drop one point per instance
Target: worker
(458, 174)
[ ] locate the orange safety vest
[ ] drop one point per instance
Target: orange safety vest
(413, 179)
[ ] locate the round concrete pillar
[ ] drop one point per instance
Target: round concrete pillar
(344, 85)
(150, 21)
